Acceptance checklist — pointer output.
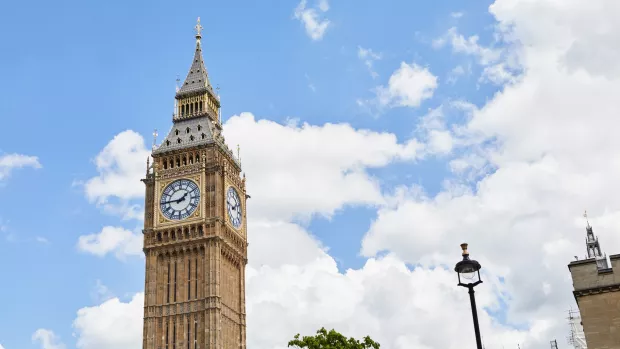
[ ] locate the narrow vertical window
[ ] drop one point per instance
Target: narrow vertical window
(200, 106)
(189, 278)
(168, 285)
(174, 336)
(188, 336)
(167, 332)
(196, 334)
(175, 281)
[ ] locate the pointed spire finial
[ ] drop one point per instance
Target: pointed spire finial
(585, 215)
(198, 28)
(155, 138)
(239, 154)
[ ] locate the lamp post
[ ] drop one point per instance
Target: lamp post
(468, 271)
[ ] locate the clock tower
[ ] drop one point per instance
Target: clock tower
(195, 230)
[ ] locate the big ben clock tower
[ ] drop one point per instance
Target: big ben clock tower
(195, 237)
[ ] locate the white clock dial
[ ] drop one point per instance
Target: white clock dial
(180, 199)
(233, 204)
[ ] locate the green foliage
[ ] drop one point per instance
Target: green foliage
(332, 340)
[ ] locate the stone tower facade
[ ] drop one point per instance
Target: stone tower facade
(195, 237)
(597, 292)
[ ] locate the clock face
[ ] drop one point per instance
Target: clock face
(180, 199)
(233, 204)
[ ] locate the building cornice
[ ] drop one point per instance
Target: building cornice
(596, 290)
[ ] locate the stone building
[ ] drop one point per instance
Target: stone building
(195, 237)
(596, 283)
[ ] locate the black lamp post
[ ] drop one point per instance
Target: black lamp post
(469, 276)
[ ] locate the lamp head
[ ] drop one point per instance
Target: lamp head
(468, 270)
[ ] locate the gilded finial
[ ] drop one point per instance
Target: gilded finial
(198, 28)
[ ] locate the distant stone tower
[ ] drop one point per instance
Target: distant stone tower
(596, 283)
(195, 238)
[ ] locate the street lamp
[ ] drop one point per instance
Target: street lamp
(469, 276)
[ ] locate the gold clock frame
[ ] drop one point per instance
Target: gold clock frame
(162, 185)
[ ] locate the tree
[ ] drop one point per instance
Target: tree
(332, 340)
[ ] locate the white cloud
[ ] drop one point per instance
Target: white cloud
(470, 46)
(47, 339)
(408, 86)
(368, 57)
(457, 72)
(121, 164)
(115, 240)
(110, 325)
(10, 162)
(433, 131)
(330, 160)
(1, 347)
(312, 18)
(457, 14)
(499, 63)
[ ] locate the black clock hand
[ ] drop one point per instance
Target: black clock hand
(176, 201)
(182, 198)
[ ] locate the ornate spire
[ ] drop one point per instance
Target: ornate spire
(197, 79)
(593, 247)
(198, 28)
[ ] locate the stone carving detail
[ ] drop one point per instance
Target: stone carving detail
(180, 171)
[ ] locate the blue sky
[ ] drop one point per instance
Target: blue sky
(77, 74)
